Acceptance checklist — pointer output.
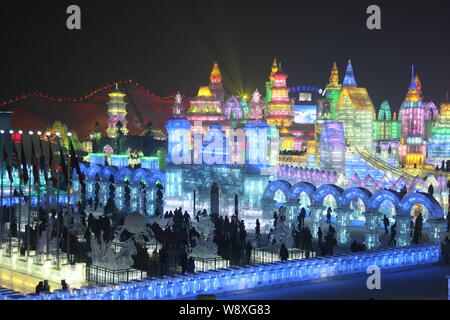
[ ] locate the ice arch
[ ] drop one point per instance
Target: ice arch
(109, 171)
(140, 174)
(429, 202)
(300, 187)
(385, 195)
(157, 176)
(274, 186)
(325, 190)
(123, 173)
(92, 171)
(354, 193)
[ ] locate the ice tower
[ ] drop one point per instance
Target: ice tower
(412, 148)
(355, 110)
(117, 111)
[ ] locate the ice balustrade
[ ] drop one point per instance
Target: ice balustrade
(249, 277)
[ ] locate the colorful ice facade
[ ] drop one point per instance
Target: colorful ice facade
(249, 277)
(205, 107)
(332, 147)
(355, 110)
(256, 107)
(386, 127)
(439, 142)
(279, 107)
(233, 109)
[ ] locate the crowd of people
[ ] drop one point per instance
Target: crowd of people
(177, 239)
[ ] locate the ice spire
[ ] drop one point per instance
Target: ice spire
(334, 76)
(349, 79)
(413, 80)
(216, 76)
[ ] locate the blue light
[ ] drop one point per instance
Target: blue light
(248, 277)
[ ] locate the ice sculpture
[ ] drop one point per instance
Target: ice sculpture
(282, 234)
(136, 224)
(103, 255)
(205, 247)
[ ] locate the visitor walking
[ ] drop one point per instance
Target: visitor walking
(386, 224)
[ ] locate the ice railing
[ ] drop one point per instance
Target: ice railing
(250, 277)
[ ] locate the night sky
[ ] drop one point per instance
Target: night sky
(170, 45)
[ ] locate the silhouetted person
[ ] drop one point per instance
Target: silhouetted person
(248, 252)
(258, 229)
(319, 235)
(393, 234)
(64, 285)
(183, 261)
(40, 287)
(329, 215)
(46, 286)
(419, 224)
(448, 222)
(191, 265)
(386, 224)
(284, 253)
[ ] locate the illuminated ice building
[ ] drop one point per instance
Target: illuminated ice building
(120, 149)
(439, 142)
(355, 110)
(412, 149)
(222, 150)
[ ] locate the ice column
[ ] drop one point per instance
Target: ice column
(437, 231)
(316, 217)
(371, 233)
(402, 238)
(342, 221)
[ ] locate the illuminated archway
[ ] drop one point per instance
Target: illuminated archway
(274, 186)
(427, 201)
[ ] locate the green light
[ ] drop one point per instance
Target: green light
(149, 158)
(120, 156)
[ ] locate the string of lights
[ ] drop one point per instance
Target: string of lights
(84, 97)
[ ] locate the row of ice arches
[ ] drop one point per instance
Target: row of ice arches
(360, 200)
(121, 178)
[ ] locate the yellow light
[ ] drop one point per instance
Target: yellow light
(204, 92)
